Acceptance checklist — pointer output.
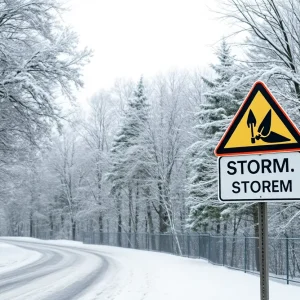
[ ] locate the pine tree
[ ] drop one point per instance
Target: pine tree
(127, 154)
(126, 141)
(214, 116)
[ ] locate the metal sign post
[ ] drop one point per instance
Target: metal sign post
(263, 250)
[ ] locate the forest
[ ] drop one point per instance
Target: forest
(139, 157)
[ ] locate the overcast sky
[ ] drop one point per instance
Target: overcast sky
(135, 37)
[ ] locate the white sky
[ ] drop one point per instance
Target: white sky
(135, 37)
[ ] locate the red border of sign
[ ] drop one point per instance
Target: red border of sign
(296, 132)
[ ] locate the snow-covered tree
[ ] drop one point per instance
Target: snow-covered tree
(95, 132)
(127, 155)
(39, 62)
(68, 165)
(272, 43)
(215, 113)
(167, 138)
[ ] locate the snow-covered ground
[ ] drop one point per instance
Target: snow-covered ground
(145, 275)
(142, 275)
(12, 257)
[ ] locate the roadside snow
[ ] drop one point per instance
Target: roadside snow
(153, 276)
(13, 257)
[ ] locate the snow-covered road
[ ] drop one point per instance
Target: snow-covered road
(54, 272)
(57, 270)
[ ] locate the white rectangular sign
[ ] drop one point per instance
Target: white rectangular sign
(267, 177)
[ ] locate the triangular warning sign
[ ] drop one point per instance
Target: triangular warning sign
(260, 126)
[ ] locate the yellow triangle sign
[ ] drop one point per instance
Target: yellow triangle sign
(260, 126)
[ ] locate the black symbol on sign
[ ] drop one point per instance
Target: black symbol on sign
(264, 130)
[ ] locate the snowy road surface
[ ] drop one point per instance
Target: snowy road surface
(34, 269)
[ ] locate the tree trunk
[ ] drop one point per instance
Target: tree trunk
(162, 213)
(130, 215)
(31, 224)
(119, 237)
(136, 219)
(150, 220)
(100, 220)
(99, 189)
(182, 215)
(225, 244)
(73, 222)
(218, 243)
(163, 227)
(51, 225)
(163, 219)
(62, 221)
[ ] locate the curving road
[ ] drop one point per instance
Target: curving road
(61, 273)
(65, 270)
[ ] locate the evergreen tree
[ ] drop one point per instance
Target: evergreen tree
(126, 141)
(127, 153)
(214, 116)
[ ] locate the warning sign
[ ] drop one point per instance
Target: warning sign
(260, 126)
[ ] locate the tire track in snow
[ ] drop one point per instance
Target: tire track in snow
(76, 289)
(46, 265)
(52, 262)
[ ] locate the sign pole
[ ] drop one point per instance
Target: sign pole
(263, 250)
